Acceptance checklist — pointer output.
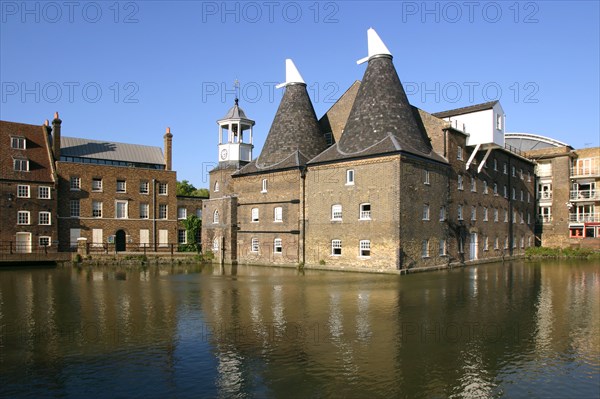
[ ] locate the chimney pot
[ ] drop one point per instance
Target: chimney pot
(56, 115)
(46, 123)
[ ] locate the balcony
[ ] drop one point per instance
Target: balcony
(365, 215)
(543, 219)
(584, 217)
(584, 195)
(544, 195)
(588, 167)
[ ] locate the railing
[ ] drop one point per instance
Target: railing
(544, 195)
(365, 214)
(512, 149)
(108, 248)
(543, 219)
(589, 168)
(585, 195)
(13, 247)
(584, 217)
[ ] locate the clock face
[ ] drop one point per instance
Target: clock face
(223, 154)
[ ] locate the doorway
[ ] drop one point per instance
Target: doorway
(473, 247)
(120, 241)
(23, 243)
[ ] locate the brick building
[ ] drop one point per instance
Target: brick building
(28, 200)
(375, 184)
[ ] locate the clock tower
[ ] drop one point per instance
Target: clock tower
(235, 137)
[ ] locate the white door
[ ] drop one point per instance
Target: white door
(97, 237)
(23, 243)
(144, 238)
(163, 238)
(473, 247)
(74, 235)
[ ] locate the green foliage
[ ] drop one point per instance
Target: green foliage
(546, 252)
(192, 225)
(322, 262)
(187, 189)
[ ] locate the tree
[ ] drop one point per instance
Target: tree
(192, 225)
(187, 189)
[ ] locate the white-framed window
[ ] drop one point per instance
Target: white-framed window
(75, 183)
(505, 216)
(181, 213)
(529, 241)
(20, 165)
(425, 249)
(528, 197)
(495, 164)
(522, 196)
(23, 217)
(216, 188)
(364, 248)
(278, 214)
(74, 208)
(521, 174)
(460, 182)
(505, 168)
(443, 248)
(496, 189)
(336, 212)
(485, 243)
(506, 242)
(498, 121)
(97, 237)
(277, 246)
(426, 177)
(473, 184)
(121, 210)
(162, 211)
(514, 217)
(144, 187)
(44, 192)
(514, 194)
(121, 186)
(96, 184)
(350, 177)
(514, 241)
(461, 245)
(528, 218)
(365, 212)
(514, 171)
(163, 238)
(163, 188)
(505, 192)
(215, 246)
(495, 215)
(528, 177)
(18, 143)
(144, 210)
(485, 214)
(442, 213)
(460, 212)
(23, 191)
(473, 213)
(181, 236)
(425, 211)
(459, 153)
(254, 245)
(215, 217)
(144, 238)
(496, 243)
(45, 241)
(336, 247)
(522, 219)
(254, 215)
(485, 187)
(264, 186)
(97, 209)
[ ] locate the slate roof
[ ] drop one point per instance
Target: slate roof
(381, 120)
(235, 112)
(109, 150)
(294, 137)
(465, 110)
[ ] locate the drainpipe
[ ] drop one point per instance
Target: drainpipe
(154, 212)
(303, 177)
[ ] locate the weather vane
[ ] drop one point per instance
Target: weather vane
(236, 87)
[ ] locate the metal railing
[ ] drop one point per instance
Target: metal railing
(14, 247)
(543, 219)
(144, 248)
(584, 217)
(591, 168)
(544, 195)
(585, 195)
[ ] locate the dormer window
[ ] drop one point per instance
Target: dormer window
(17, 143)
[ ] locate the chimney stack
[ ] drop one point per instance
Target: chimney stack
(56, 136)
(168, 149)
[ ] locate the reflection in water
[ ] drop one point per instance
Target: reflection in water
(509, 330)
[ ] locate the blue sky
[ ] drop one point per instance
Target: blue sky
(124, 71)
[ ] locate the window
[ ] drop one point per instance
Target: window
(43, 192)
(485, 187)
(181, 236)
(426, 177)
(485, 214)
(21, 165)
(23, 191)
(364, 247)
(505, 216)
(529, 177)
(144, 187)
(514, 171)
(336, 212)
(528, 218)
(460, 182)
(144, 238)
(514, 217)
(144, 210)
(442, 213)
(96, 209)
(425, 211)
(495, 189)
(473, 213)
(45, 241)
(163, 188)
(425, 249)
(495, 164)
(514, 194)
(461, 245)
(473, 184)
(485, 243)
(121, 209)
(277, 246)
(460, 212)
(181, 213)
(505, 192)
(75, 183)
(264, 186)
(528, 197)
(365, 212)
(199, 213)
(505, 168)
(521, 174)
(495, 215)
(498, 122)
(216, 189)
(17, 143)
(215, 245)
(215, 217)
(278, 214)
(336, 247)
(74, 208)
(96, 184)
(522, 196)
(254, 215)
(162, 211)
(521, 217)
(163, 238)
(506, 243)
(350, 177)
(496, 243)
(121, 186)
(459, 153)
(443, 249)
(514, 241)
(23, 217)
(254, 246)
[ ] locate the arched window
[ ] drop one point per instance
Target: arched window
(215, 244)
(277, 246)
(216, 216)
(216, 186)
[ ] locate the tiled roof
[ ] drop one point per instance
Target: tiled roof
(465, 110)
(109, 150)
(235, 112)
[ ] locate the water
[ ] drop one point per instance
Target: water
(502, 330)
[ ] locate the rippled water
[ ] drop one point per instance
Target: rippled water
(501, 330)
